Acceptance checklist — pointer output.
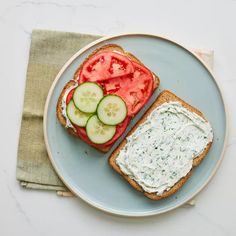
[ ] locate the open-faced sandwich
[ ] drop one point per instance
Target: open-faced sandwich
(159, 153)
(107, 90)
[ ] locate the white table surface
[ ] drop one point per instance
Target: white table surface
(203, 24)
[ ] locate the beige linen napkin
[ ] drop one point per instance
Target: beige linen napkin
(48, 52)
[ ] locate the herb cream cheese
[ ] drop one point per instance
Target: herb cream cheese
(161, 150)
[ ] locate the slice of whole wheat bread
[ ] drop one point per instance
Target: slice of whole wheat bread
(106, 48)
(165, 96)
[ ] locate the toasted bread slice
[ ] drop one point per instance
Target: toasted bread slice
(109, 47)
(165, 96)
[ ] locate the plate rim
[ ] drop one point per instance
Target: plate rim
(45, 116)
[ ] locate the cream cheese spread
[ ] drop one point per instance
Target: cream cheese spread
(63, 107)
(161, 150)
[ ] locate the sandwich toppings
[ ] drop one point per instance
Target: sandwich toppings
(76, 116)
(98, 132)
(87, 96)
(135, 88)
(112, 110)
(120, 75)
(110, 86)
(88, 110)
(161, 150)
(104, 66)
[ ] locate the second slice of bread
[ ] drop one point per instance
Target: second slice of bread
(165, 96)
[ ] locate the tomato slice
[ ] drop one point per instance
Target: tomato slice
(105, 65)
(69, 96)
(135, 89)
(119, 131)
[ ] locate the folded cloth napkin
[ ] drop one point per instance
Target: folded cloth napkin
(48, 52)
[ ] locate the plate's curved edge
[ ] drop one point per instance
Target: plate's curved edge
(114, 212)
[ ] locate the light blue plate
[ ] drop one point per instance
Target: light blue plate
(86, 172)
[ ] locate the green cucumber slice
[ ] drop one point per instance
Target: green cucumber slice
(98, 132)
(112, 110)
(76, 116)
(87, 96)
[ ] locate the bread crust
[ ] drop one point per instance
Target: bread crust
(60, 117)
(105, 48)
(165, 96)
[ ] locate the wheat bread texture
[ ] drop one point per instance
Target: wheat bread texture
(165, 96)
(106, 48)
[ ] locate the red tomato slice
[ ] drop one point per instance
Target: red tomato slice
(119, 131)
(69, 96)
(135, 89)
(105, 65)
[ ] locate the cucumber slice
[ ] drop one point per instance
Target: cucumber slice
(98, 132)
(112, 110)
(87, 96)
(76, 116)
